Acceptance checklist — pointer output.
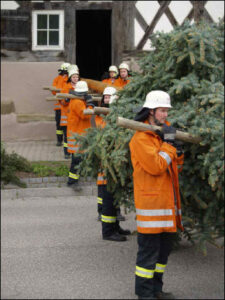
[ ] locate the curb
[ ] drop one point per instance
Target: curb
(54, 192)
(38, 182)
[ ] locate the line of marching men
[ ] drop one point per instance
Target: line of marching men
(70, 119)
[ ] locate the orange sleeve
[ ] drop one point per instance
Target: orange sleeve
(55, 83)
(78, 108)
(148, 155)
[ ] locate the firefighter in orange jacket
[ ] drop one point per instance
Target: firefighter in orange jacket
(111, 229)
(112, 76)
(77, 123)
(124, 74)
(58, 83)
(73, 74)
(156, 159)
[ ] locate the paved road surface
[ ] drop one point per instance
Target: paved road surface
(52, 249)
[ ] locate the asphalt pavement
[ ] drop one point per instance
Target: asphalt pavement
(51, 248)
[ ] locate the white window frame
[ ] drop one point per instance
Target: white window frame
(35, 47)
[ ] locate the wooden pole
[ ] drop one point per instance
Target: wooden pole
(96, 111)
(88, 111)
(52, 99)
(51, 88)
(65, 96)
(71, 96)
(95, 85)
(98, 86)
(135, 125)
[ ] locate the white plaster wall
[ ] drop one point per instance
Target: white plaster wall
(180, 10)
(22, 83)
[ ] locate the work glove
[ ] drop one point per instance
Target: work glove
(89, 101)
(169, 133)
(178, 145)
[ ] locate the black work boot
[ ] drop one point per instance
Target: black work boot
(123, 231)
(115, 237)
(163, 295)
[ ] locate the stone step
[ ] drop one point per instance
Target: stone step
(21, 193)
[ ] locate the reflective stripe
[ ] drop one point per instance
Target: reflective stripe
(59, 132)
(144, 272)
(73, 148)
(155, 224)
(64, 117)
(154, 212)
(108, 219)
(101, 178)
(165, 156)
(65, 145)
(169, 136)
(63, 122)
(99, 200)
(74, 176)
(160, 268)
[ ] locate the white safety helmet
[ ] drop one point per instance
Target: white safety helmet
(110, 91)
(81, 87)
(73, 67)
(124, 66)
(73, 71)
(113, 69)
(64, 66)
(155, 99)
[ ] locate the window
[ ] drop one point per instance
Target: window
(48, 30)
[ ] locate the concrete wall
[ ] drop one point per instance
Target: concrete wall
(22, 82)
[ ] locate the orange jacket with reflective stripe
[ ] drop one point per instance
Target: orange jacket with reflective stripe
(58, 83)
(65, 105)
(77, 122)
(121, 82)
(156, 186)
(101, 176)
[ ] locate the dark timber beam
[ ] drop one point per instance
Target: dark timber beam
(169, 15)
(151, 27)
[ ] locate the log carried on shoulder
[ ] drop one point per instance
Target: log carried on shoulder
(95, 85)
(135, 125)
(98, 86)
(51, 88)
(53, 98)
(96, 111)
(71, 96)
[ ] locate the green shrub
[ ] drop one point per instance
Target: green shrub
(10, 163)
(188, 63)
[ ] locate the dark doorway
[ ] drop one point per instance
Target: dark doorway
(93, 42)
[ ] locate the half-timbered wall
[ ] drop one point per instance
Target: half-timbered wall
(133, 22)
